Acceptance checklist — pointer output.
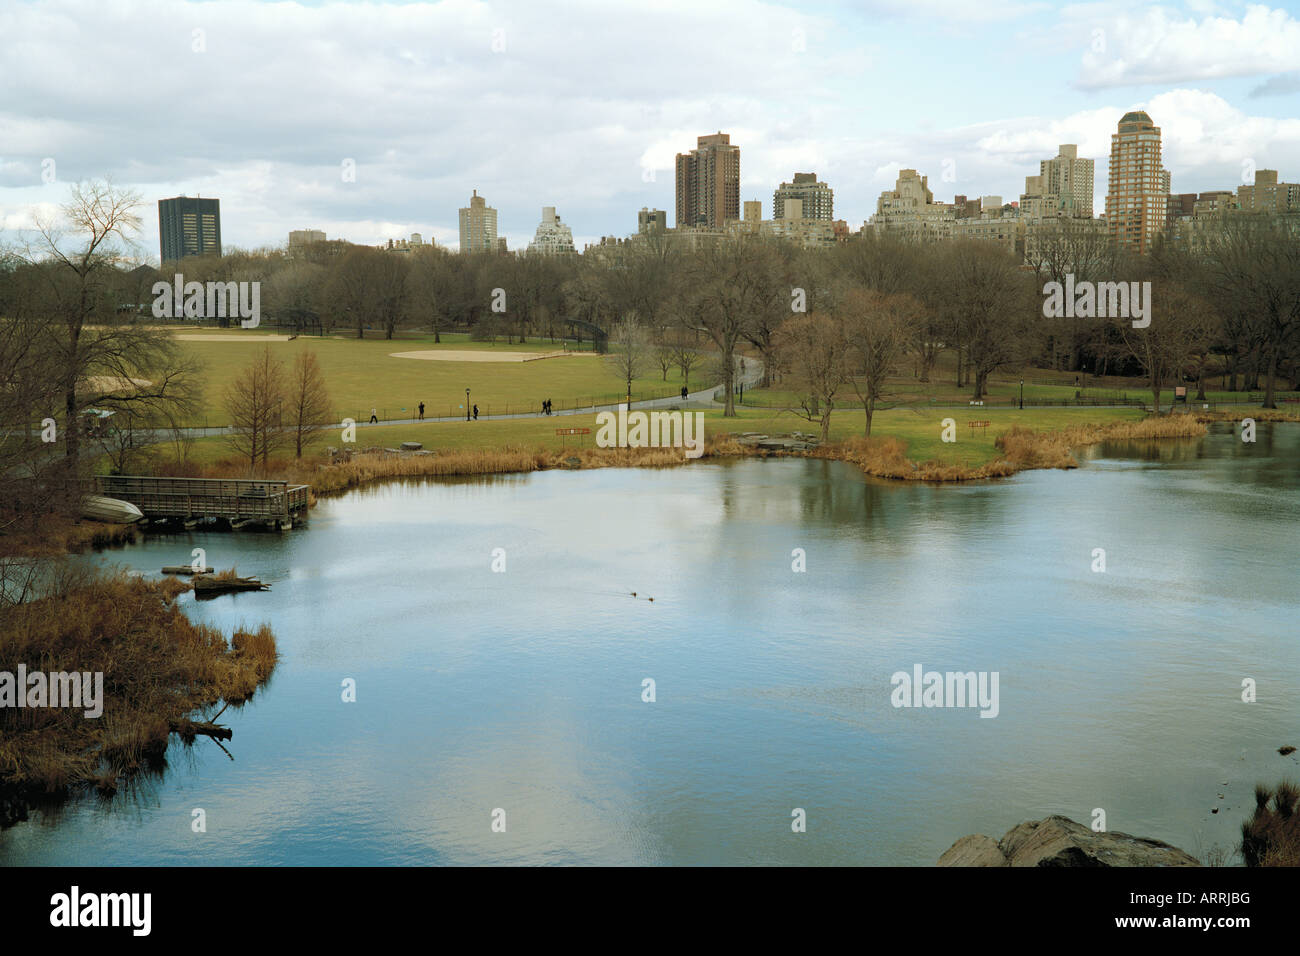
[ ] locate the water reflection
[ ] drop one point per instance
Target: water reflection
(522, 689)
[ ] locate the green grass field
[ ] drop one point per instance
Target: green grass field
(1000, 392)
(362, 374)
(920, 430)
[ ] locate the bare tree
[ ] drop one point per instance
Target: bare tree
(989, 306)
(102, 358)
(629, 351)
(812, 349)
(308, 400)
(1251, 267)
(1072, 247)
(878, 330)
(255, 401)
(426, 282)
(1167, 349)
(729, 290)
(368, 286)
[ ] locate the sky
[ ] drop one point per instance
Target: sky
(375, 120)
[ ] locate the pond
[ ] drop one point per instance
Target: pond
(522, 689)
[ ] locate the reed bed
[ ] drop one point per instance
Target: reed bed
(1021, 449)
(1240, 412)
(158, 667)
(1271, 837)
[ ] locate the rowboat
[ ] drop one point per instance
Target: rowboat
(99, 508)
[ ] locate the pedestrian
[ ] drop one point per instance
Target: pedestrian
(374, 419)
(422, 411)
(475, 413)
(684, 393)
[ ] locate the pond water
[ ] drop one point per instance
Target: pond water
(522, 689)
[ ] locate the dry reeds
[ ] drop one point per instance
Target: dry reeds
(1271, 837)
(157, 666)
(1021, 449)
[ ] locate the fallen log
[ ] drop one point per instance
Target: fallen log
(189, 729)
(184, 569)
(217, 585)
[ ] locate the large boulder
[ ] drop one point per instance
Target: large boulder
(1059, 841)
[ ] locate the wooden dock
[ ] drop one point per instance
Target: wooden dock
(237, 500)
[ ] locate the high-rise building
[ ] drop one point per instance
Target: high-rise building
(1138, 197)
(189, 227)
(910, 211)
(1067, 183)
(651, 220)
(1063, 188)
(753, 210)
(304, 237)
(818, 198)
(552, 237)
(1266, 194)
(708, 183)
(478, 226)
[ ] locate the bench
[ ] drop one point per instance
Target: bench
(980, 425)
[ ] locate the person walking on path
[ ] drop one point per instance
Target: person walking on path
(475, 413)
(374, 419)
(684, 392)
(422, 411)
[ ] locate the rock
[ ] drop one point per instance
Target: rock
(1059, 841)
(1284, 751)
(974, 850)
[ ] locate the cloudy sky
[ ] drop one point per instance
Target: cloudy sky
(582, 104)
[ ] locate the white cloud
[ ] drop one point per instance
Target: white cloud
(1159, 46)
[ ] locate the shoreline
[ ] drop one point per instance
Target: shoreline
(1021, 449)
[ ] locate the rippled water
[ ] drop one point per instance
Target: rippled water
(522, 690)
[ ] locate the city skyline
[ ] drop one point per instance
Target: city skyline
(809, 90)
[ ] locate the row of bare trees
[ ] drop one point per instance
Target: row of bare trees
(272, 408)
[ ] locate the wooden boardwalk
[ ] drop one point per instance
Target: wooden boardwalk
(238, 500)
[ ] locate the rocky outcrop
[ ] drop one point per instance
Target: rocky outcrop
(1059, 841)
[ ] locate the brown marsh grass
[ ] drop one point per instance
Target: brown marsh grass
(159, 668)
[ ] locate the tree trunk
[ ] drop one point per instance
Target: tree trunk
(729, 382)
(71, 427)
(1270, 380)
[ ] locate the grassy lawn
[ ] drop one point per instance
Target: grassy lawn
(999, 392)
(362, 374)
(919, 429)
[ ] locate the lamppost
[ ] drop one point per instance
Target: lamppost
(1022, 394)
(467, 404)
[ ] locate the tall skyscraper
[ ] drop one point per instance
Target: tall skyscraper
(708, 183)
(818, 199)
(478, 226)
(552, 237)
(189, 227)
(1067, 183)
(1138, 196)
